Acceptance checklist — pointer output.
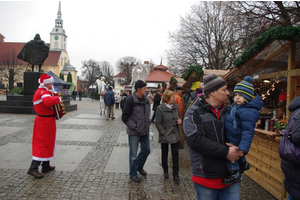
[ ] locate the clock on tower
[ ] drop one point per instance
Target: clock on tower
(56, 37)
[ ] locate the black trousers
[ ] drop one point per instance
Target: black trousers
(175, 156)
(35, 165)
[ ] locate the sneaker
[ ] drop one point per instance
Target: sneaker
(142, 172)
(135, 179)
(113, 118)
(233, 177)
(244, 166)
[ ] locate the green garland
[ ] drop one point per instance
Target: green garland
(164, 84)
(277, 33)
(195, 68)
(173, 79)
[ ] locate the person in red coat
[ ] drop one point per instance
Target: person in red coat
(44, 129)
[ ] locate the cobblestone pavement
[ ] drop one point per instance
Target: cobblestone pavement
(89, 180)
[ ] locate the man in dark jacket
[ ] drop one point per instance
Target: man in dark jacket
(204, 133)
(136, 117)
(156, 102)
(109, 100)
(292, 170)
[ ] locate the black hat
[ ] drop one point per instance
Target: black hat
(212, 83)
(178, 88)
(139, 84)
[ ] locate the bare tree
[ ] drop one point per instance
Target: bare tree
(206, 37)
(126, 64)
(10, 71)
(277, 13)
(90, 71)
(107, 71)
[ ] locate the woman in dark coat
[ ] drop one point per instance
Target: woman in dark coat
(292, 170)
(167, 121)
(156, 102)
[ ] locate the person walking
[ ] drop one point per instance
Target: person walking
(156, 102)
(167, 121)
(179, 100)
(136, 117)
(109, 101)
(204, 130)
(74, 94)
(291, 170)
(44, 129)
(80, 94)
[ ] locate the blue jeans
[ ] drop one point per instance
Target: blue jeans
(235, 166)
(228, 193)
(289, 197)
(137, 162)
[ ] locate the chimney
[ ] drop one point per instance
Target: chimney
(146, 62)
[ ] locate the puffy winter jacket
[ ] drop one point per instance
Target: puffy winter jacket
(204, 134)
(292, 170)
(109, 98)
(246, 116)
(136, 115)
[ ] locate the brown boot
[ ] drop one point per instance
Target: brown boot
(47, 169)
(36, 174)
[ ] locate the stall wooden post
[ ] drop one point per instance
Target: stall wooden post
(291, 81)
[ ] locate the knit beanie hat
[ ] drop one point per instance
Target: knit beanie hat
(212, 83)
(245, 87)
(139, 84)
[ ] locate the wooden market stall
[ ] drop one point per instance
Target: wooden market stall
(274, 57)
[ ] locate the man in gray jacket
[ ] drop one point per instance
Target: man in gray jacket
(136, 117)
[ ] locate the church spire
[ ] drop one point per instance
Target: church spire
(59, 21)
(58, 37)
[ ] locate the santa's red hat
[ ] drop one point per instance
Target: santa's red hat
(45, 79)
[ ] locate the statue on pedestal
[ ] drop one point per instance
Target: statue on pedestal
(34, 52)
(101, 90)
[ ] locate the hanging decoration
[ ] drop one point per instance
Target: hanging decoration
(173, 83)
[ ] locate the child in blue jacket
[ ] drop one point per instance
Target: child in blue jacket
(240, 123)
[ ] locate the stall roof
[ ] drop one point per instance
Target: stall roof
(268, 57)
(272, 59)
(57, 80)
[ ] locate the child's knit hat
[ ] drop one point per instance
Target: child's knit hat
(245, 87)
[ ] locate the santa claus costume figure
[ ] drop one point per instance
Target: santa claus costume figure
(44, 129)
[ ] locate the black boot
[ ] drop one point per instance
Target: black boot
(176, 178)
(244, 166)
(166, 174)
(233, 176)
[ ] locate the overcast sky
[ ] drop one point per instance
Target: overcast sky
(103, 30)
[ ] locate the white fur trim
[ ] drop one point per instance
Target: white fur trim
(49, 80)
(46, 95)
(37, 102)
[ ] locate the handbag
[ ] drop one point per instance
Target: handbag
(181, 133)
(287, 150)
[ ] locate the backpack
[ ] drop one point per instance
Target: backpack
(123, 101)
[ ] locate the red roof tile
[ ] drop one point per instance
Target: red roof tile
(160, 67)
(160, 76)
(52, 59)
(122, 74)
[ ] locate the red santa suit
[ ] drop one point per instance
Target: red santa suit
(44, 130)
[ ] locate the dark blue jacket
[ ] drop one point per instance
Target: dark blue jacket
(246, 117)
(109, 98)
(292, 170)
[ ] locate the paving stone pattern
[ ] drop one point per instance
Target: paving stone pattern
(89, 179)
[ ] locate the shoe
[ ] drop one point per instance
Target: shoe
(176, 178)
(142, 172)
(36, 174)
(106, 119)
(166, 175)
(48, 169)
(233, 176)
(135, 179)
(113, 118)
(244, 166)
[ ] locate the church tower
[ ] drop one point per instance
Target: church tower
(58, 37)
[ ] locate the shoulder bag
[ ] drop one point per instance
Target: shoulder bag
(287, 150)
